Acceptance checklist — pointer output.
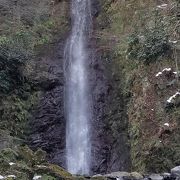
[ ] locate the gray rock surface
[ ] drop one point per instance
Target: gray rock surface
(156, 177)
(175, 172)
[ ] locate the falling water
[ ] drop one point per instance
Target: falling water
(77, 97)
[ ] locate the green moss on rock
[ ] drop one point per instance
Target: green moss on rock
(53, 170)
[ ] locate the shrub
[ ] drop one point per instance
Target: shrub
(151, 44)
(14, 52)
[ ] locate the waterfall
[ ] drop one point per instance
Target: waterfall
(77, 97)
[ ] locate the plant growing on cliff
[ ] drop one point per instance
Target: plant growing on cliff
(15, 50)
(151, 44)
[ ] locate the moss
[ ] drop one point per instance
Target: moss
(40, 156)
(53, 170)
(26, 154)
(47, 177)
(9, 154)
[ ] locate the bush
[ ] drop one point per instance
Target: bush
(151, 44)
(14, 52)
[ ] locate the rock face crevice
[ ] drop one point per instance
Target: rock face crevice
(47, 122)
(110, 150)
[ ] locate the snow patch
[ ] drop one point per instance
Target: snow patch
(162, 6)
(164, 70)
(41, 166)
(11, 163)
(8, 176)
(173, 41)
(158, 74)
(37, 177)
(173, 97)
(166, 124)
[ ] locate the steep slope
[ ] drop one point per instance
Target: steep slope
(141, 38)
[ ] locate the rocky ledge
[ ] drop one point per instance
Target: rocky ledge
(173, 175)
(22, 163)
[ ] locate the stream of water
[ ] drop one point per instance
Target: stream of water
(77, 98)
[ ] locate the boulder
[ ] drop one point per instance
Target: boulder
(9, 154)
(53, 170)
(26, 154)
(98, 177)
(155, 177)
(119, 175)
(40, 156)
(175, 172)
(136, 175)
(46, 81)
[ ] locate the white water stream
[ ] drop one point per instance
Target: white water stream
(77, 97)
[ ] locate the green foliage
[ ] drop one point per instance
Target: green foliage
(14, 112)
(16, 49)
(14, 52)
(151, 44)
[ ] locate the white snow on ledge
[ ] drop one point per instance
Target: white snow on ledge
(37, 177)
(9, 176)
(173, 97)
(11, 163)
(173, 42)
(166, 124)
(164, 70)
(162, 6)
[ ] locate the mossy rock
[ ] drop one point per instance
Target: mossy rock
(53, 170)
(47, 177)
(22, 167)
(6, 156)
(26, 154)
(9, 154)
(136, 175)
(20, 176)
(4, 166)
(79, 178)
(39, 156)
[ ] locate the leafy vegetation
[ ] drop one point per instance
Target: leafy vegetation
(152, 45)
(142, 39)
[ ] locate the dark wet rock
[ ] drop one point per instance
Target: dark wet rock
(48, 123)
(96, 8)
(108, 155)
(46, 82)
